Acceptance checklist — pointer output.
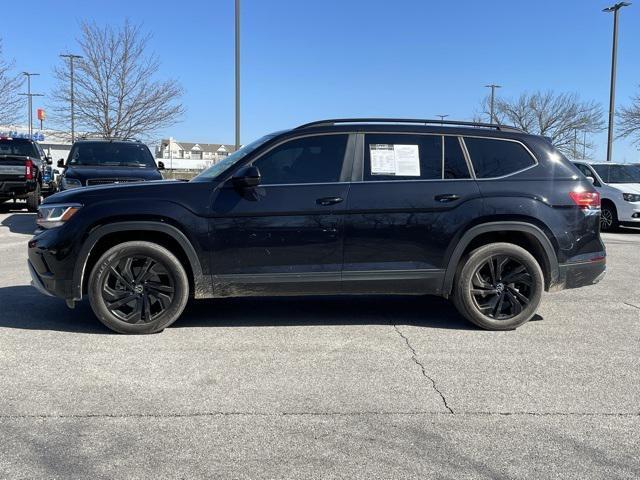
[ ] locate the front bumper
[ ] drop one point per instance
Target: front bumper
(629, 213)
(36, 281)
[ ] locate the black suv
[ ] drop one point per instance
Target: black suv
(99, 162)
(484, 214)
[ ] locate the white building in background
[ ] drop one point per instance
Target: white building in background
(56, 144)
(178, 155)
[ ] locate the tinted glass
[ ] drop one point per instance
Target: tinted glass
(584, 169)
(216, 169)
(17, 147)
(618, 173)
(455, 166)
(111, 154)
(496, 158)
(315, 159)
(402, 157)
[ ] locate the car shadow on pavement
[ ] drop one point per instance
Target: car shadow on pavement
(22, 307)
(431, 312)
(20, 223)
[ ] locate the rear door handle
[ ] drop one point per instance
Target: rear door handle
(326, 201)
(447, 197)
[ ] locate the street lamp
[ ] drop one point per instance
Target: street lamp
(442, 117)
(30, 96)
(493, 87)
(612, 91)
(71, 58)
(237, 74)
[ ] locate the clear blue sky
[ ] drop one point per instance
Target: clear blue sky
(310, 59)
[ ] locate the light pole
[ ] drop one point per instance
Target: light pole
(442, 117)
(237, 74)
(614, 57)
(493, 87)
(71, 58)
(30, 96)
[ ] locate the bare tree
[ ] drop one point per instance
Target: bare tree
(561, 117)
(629, 120)
(10, 83)
(116, 93)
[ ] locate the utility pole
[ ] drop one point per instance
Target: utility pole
(442, 117)
(237, 74)
(30, 96)
(71, 58)
(584, 145)
(612, 90)
(575, 143)
(493, 87)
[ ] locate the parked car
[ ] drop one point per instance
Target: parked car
(22, 163)
(483, 214)
(619, 188)
(100, 162)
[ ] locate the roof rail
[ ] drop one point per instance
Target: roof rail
(336, 121)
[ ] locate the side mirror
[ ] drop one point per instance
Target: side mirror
(592, 180)
(61, 163)
(247, 177)
(48, 160)
(160, 165)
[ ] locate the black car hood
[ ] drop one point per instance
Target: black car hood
(86, 172)
(170, 190)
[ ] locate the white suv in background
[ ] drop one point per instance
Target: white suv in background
(619, 188)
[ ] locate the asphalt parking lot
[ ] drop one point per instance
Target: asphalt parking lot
(363, 387)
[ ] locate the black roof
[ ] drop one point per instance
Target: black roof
(411, 125)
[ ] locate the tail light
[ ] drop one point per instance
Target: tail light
(586, 199)
(28, 169)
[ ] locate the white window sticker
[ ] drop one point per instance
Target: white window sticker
(400, 160)
(383, 159)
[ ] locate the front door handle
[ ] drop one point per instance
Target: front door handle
(447, 197)
(326, 201)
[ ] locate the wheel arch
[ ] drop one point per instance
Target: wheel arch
(527, 235)
(104, 237)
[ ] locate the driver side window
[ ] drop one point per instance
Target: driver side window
(314, 159)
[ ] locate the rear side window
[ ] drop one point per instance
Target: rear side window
(413, 157)
(497, 158)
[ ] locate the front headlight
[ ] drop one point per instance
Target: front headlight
(631, 197)
(56, 214)
(68, 183)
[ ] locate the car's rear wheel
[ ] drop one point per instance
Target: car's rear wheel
(499, 286)
(608, 218)
(33, 199)
(138, 287)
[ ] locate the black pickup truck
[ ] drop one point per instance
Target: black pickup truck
(22, 163)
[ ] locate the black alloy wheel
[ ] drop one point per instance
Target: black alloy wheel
(138, 289)
(501, 287)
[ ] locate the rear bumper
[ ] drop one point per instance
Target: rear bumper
(9, 189)
(582, 274)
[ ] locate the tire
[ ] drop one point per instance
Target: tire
(608, 218)
(498, 304)
(33, 199)
(149, 276)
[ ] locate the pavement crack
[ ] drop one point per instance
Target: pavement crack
(631, 305)
(414, 357)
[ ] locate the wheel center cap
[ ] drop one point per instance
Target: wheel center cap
(138, 289)
(500, 287)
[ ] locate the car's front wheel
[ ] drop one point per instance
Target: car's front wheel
(608, 218)
(138, 287)
(499, 286)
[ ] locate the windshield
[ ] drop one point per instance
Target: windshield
(214, 170)
(17, 147)
(111, 154)
(618, 173)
